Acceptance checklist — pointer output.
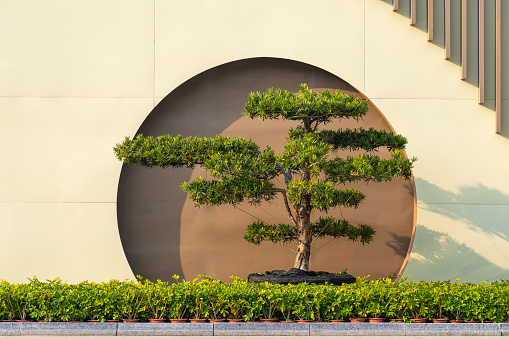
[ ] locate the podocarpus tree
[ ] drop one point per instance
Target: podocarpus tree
(241, 172)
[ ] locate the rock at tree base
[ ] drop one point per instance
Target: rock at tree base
(295, 276)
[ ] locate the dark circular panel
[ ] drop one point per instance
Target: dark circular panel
(163, 233)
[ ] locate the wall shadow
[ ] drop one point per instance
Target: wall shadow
(465, 205)
(437, 256)
(399, 244)
(505, 121)
(472, 35)
(472, 43)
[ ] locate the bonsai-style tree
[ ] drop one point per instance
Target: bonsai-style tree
(241, 172)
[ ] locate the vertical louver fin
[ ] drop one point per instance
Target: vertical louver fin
(464, 43)
(498, 66)
(430, 20)
(447, 28)
(463, 39)
(413, 12)
(481, 51)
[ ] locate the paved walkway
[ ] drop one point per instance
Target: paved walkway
(258, 330)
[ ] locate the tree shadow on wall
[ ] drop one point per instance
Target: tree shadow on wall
(470, 204)
(437, 256)
(399, 244)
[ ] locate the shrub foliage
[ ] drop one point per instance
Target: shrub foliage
(55, 300)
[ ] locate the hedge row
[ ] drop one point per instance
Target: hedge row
(54, 300)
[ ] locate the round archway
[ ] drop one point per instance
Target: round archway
(162, 233)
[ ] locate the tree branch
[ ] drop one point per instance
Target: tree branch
(285, 199)
(288, 178)
(312, 117)
(287, 174)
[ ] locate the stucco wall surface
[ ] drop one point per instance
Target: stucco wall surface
(77, 76)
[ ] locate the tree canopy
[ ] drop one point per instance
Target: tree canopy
(241, 172)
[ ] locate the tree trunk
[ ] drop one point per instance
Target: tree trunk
(303, 239)
(304, 219)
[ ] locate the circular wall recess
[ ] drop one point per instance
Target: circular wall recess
(163, 233)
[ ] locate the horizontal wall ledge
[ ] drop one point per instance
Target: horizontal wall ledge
(251, 329)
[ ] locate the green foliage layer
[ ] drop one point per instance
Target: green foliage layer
(54, 300)
(322, 106)
(323, 227)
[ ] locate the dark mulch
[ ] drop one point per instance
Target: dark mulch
(296, 276)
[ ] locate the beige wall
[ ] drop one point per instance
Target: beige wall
(462, 179)
(77, 76)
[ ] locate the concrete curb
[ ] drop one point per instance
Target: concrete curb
(165, 329)
(251, 329)
(454, 329)
(68, 329)
(357, 329)
(9, 329)
(261, 329)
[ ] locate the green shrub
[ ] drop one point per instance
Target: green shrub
(13, 301)
(181, 299)
(157, 298)
(54, 300)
